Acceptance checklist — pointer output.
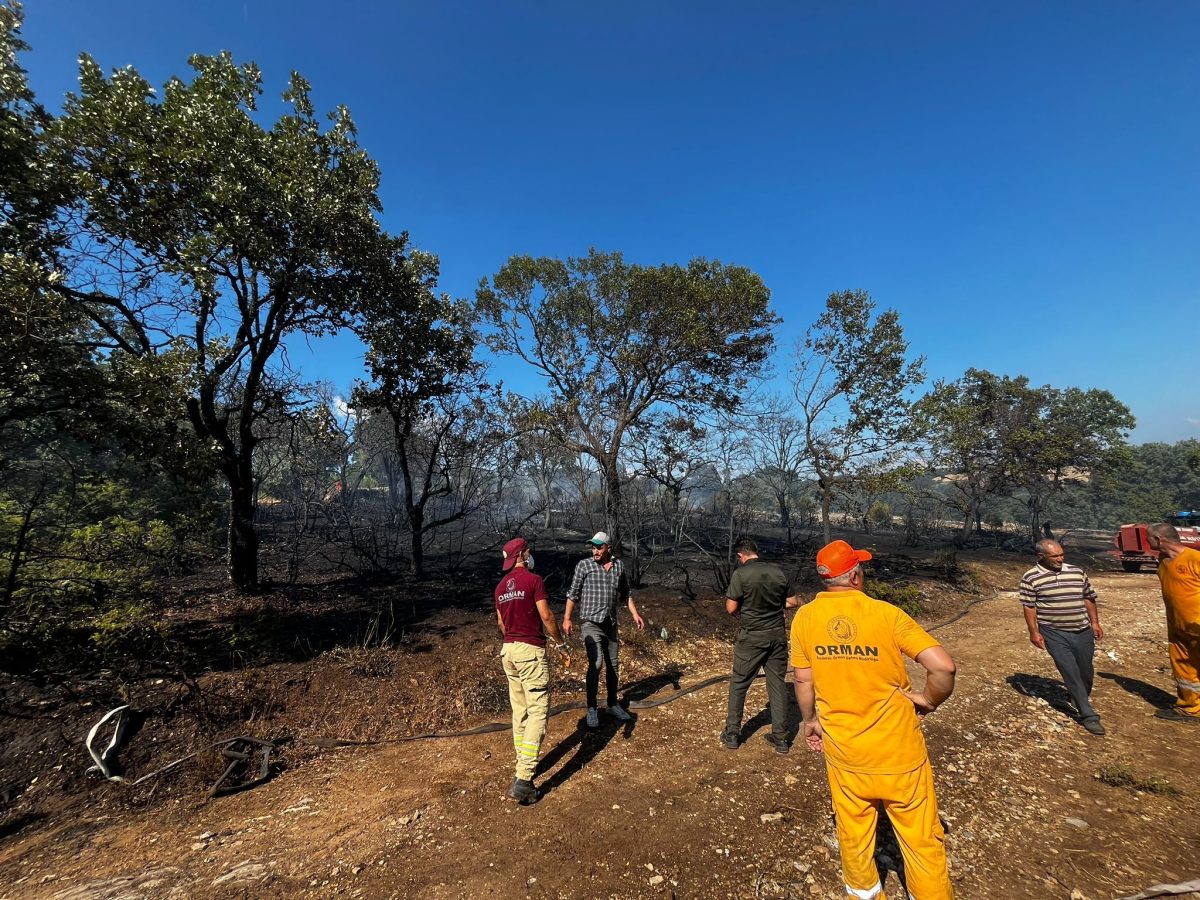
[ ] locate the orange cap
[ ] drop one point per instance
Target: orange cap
(839, 558)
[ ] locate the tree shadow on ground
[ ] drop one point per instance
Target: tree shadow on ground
(1155, 696)
(1053, 692)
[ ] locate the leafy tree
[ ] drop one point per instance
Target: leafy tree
(616, 343)
(973, 431)
(1076, 435)
(870, 484)
(206, 240)
(851, 381)
(426, 380)
(47, 368)
(84, 523)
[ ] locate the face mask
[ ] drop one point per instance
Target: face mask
(529, 562)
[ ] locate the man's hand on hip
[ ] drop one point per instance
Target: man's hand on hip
(814, 736)
(923, 704)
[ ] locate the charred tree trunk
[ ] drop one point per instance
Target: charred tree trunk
(19, 545)
(826, 503)
(243, 537)
(235, 462)
(416, 520)
(612, 503)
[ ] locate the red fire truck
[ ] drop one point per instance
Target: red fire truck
(1133, 549)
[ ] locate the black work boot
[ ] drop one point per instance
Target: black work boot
(780, 744)
(524, 792)
(730, 740)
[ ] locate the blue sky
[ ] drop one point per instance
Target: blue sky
(1020, 180)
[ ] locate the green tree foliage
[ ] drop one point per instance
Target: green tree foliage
(426, 381)
(94, 498)
(974, 432)
(202, 240)
(1147, 484)
(1078, 435)
(616, 343)
(851, 380)
(988, 437)
(46, 362)
(85, 526)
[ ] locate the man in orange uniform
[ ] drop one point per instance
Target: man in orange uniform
(1179, 573)
(860, 709)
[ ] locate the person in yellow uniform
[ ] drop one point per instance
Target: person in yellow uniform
(862, 712)
(1179, 573)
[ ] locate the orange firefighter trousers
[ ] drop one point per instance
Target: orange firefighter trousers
(1184, 649)
(911, 805)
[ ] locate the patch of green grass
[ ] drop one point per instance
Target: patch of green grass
(1120, 775)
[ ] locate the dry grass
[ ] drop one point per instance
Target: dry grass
(1120, 775)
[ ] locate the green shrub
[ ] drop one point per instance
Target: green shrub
(880, 514)
(905, 596)
(128, 631)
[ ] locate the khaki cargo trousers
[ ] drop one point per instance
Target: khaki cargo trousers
(529, 693)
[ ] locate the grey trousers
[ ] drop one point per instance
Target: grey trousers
(1072, 653)
(751, 650)
(601, 640)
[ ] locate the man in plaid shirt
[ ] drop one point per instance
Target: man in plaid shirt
(600, 583)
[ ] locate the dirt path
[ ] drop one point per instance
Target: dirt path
(659, 808)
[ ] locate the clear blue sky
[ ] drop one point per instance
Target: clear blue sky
(1020, 180)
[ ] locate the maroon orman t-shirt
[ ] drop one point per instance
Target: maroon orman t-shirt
(516, 597)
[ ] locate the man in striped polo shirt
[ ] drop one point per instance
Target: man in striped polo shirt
(1060, 610)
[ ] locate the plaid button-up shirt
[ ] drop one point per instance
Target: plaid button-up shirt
(598, 590)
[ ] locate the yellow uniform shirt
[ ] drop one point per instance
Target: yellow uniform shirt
(1180, 579)
(855, 646)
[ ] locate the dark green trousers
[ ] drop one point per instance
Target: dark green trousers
(751, 651)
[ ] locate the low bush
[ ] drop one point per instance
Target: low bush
(128, 632)
(906, 596)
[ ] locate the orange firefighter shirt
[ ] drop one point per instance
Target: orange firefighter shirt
(855, 646)
(1180, 579)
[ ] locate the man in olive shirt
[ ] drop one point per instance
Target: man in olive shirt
(760, 592)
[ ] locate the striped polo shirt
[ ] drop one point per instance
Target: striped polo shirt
(1058, 596)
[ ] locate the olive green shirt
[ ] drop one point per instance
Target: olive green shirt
(762, 589)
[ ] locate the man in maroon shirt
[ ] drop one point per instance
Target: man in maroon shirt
(524, 616)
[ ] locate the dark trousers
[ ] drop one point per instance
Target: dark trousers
(1072, 654)
(752, 650)
(600, 639)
